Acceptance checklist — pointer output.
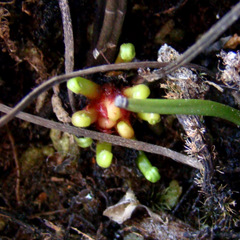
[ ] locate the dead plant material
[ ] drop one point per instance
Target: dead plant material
(69, 44)
(57, 105)
(206, 40)
(183, 83)
(111, 28)
(172, 229)
(9, 45)
(233, 42)
(230, 75)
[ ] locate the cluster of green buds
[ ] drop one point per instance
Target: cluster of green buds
(142, 91)
(107, 117)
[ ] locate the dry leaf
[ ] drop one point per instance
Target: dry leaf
(123, 210)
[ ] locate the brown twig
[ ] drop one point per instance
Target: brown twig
(81, 233)
(17, 188)
(63, 78)
(5, 3)
(117, 29)
(107, 27)
(47, 213)
(111, 29)
(116, 140)
(207, 39)
(69, 44)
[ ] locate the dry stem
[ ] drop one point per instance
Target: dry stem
(116, 140)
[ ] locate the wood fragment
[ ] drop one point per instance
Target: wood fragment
(69, 44)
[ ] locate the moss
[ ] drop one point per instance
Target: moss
(64, 143)
(34, 157)
(172, 194)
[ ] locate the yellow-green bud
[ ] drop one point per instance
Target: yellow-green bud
(84, 86)
(140, 91)
(150, 173)
(84, 118)
(151, 118)
(104, 155)
(125, 130)
(126, 53)
(83, 142)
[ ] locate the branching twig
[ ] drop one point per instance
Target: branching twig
(63, 78)
(207, 39)
(116, 140)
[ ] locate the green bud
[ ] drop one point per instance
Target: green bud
(84, 86)
(104, 155)
(84, 118)
(126, 53)
(151, 118)
(140, 91)
(150, 173)
(83, 142)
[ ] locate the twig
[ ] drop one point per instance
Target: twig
(113, 40)
(17, 188)
(116, 140)
(82, 233)
(5, 3)
(69, 44)
(111, 29)
(63, 78)
(47, 213)
(207, 39)
(107, 27)
(183, 198)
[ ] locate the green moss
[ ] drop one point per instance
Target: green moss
(34, 157)
(64, 143)
(172, 194)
